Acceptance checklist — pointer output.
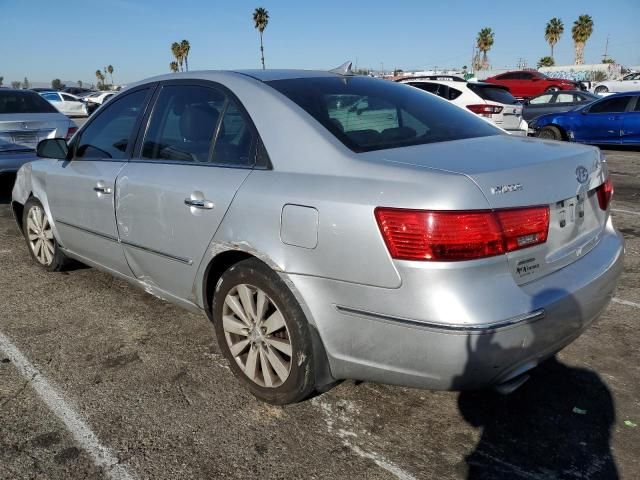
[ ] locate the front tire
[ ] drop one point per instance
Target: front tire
(263, 333)
(552, 89)
(601, 89)
(550, 133)
(38, 233)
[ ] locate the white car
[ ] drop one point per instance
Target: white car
(493, 103)
(628, 83)
(99, 97)
(66, 103)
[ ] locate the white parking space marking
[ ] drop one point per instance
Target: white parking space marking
(82, 433)
(619, 210)
(347, 437)
(625, 302)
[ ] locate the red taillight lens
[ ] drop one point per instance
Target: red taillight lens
(605, 192)
(71, 131)
(484, 109)
(460, 235)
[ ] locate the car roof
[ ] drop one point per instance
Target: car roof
(22, 90)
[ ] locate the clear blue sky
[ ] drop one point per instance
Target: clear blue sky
(44, 39)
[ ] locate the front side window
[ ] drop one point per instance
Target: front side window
(368, 114)
(610, 105)
(508, 76)
(109, 134)
(68, 98)
(546, 98)
(525, 76)
(426, 86)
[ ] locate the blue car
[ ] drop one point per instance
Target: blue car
(614, 119)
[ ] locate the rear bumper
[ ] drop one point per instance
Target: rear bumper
(363, 340)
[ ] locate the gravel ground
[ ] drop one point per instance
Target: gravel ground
(147, 378)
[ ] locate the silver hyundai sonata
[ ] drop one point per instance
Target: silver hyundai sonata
(333, 226)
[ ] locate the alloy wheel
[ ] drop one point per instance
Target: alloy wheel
(40, 236)
(257, 335)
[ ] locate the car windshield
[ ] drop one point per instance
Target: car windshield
(492, 93)
(368, 114)
(24, 102)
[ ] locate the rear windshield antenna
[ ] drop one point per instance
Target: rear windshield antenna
(344, 69)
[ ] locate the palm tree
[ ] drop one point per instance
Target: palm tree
(110, 70)
(173, 66)
(581, 31)
(553, 31)
(484, 44)
(260, 21)
(100, 78)
(546, 62)
(184, 49)
(177, 53)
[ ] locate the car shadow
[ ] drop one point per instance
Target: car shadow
(556, 425)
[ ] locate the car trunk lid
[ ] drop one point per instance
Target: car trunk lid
(28, 129)
(517, 172)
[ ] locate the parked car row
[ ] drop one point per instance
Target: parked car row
(334, 226)
(493, 103)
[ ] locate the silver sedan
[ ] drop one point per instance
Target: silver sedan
(333, 226)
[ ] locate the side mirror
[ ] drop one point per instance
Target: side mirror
(53, 148)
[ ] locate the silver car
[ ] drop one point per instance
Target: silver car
(25, 119)
(333, 227)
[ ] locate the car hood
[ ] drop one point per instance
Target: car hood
(510, 171)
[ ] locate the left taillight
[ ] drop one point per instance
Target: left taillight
(71, 131)
(427, 235)
(605, 192)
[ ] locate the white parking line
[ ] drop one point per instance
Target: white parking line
(619, 210)
(625, 302)
(82, 433)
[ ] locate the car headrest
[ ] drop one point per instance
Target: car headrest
(198, 122)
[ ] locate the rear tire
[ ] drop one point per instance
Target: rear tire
(550, 133)
(601, 89)
(263, 333)
(552, 89)
(41, 242)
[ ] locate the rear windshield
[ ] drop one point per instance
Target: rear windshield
(492, 93)
(24, 102)
(369, 114)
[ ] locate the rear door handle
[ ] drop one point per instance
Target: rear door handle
(101, 188)
(202, 204)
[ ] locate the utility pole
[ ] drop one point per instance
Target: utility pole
(606, 49)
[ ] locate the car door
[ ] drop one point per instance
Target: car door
(631, 124)
(602, 121)
(71, 105)
(81, 191)
(197, 150)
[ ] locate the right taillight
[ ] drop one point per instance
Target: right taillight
(605, 192)
(460, 235)
(484, 109)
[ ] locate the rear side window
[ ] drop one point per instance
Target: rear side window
(183, 124)
(610, 105)
(546, 98)
(24, 102)
(51, 97)
(186, 121)
(508, 76)
(68, 98)
(108, 135)
(565, 98)
(492, 93)
(369, 114)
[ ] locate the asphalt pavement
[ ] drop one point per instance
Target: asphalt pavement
(106, 381)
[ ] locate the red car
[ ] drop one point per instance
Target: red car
(529, 83)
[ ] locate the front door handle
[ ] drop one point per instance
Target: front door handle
(202, 204)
